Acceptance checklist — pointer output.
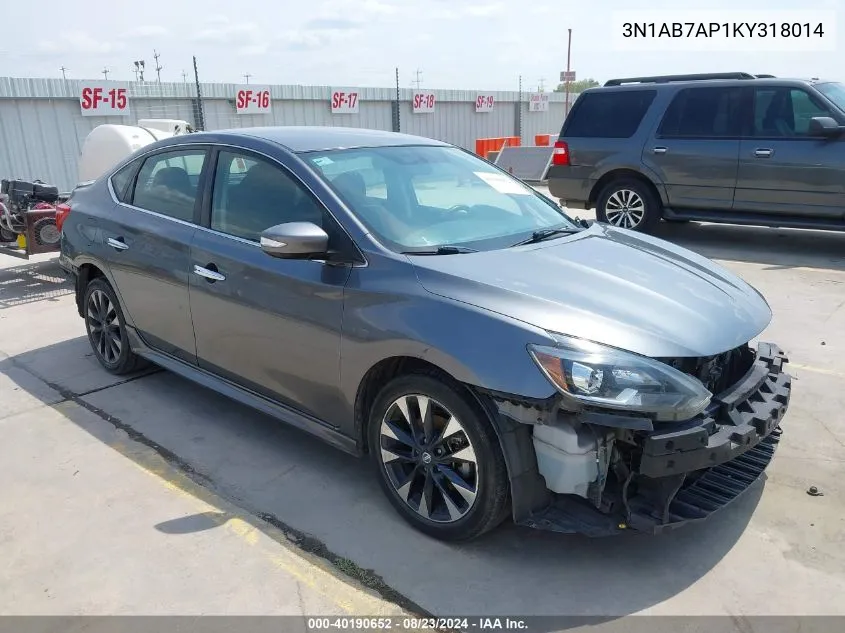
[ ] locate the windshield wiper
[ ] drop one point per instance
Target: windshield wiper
(443, 250)
(544, 234)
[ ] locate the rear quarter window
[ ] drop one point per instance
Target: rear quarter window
(611, 114)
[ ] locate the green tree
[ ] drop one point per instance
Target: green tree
(578, 86)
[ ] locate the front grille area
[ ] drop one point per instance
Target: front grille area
(718, 372)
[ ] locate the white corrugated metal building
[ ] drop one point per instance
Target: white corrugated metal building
(42, 128)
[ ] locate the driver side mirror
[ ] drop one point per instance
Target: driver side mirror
(294, 240)
(825, 126)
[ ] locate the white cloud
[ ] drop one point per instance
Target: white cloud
(147, 30)
(78, 43)
(455, 12)
(220, 32)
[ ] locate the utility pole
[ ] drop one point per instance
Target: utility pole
(541, 87)
(139, 70)
(200, 110)
(156, 55)
(184, 77)
(418, 80)
(106, 73)
(397, 123)
(64, 70)
(568, 59)
(247, 76)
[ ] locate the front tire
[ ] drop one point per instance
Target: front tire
(438, 459)
(106, 329)
(630, 204)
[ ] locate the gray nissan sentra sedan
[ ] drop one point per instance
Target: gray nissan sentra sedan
(402, 298)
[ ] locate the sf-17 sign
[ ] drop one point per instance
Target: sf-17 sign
(344, 102)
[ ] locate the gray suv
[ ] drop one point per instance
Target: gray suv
(401, 298)
(731, 147)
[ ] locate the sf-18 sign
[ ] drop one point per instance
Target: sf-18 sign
(484, 103)
(344, 102)
(538, 102)
(252, 100)
(424, 102)
(103, 99)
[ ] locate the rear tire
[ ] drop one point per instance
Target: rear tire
(106, 329)
(628, 203)
(438, 459)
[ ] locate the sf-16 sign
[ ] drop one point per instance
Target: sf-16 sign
(103, 99)
(252, 100)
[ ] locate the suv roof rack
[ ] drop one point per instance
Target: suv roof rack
(662, 79)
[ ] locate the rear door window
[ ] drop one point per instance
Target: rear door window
(168, 183)
(611, 114)
(704, 113)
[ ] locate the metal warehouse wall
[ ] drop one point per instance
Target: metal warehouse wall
(42, 128)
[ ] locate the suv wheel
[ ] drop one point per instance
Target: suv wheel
(106, 329)
(438, 460)
(629, 204)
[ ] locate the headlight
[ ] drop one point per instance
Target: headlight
(606, 377)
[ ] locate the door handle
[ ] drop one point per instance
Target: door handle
(763, 153)
(659, 150)
(210, 275)
(117, 243)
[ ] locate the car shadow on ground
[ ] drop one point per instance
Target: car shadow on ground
(776, 248)
(31, 282)
(296, 482)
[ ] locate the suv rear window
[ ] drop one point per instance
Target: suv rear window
(611, 114)
(704, 113)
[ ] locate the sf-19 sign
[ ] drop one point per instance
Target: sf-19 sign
(252, 100)
(103, 99)
(344, 102)
(423, 102)
(484, 103)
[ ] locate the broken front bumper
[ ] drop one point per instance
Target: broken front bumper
(687, 473)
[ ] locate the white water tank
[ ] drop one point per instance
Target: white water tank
(108, 144)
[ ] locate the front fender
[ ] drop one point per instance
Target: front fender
(476, 347)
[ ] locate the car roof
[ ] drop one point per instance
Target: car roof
(317, 138)
(707, 83)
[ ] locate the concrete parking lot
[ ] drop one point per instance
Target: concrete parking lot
(152, 495)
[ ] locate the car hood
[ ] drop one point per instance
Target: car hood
(612, 286)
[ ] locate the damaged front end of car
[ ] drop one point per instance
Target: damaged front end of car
(635, 443)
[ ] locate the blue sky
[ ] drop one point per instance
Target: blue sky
(472, 44)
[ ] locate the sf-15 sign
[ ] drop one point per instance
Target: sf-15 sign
(103, 99)
(252, 100)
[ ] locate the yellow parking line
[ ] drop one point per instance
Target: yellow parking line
(313, 572)
(818, 370)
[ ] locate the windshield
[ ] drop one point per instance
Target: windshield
(835, 92)
(420, 198)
